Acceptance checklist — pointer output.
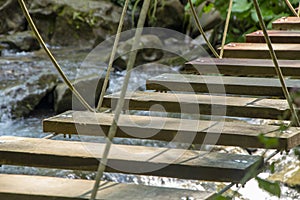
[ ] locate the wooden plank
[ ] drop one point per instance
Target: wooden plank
(238, 67)
(287, 23)
(276, 36)
(203, 104)
(42, 188)
(177, 163)
(172, 129)
(260, 50)
(219, 84)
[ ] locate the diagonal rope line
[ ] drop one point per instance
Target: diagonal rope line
(226, 28)
(113, 54)
(201, 29)
(288, 3)
(276, 64)
(120, 104)
(55, 63)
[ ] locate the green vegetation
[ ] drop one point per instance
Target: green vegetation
(244, 19)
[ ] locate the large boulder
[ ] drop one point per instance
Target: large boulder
(75, 22)
(23, 98)
(169, 14)
(89, 87)
(20, 41)
(12, 18)
(150, 50)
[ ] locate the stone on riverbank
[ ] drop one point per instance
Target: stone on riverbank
(20, 41)
(89, 87)
(22, 99)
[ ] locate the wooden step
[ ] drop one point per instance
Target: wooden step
(176, 163)
(238, 67)
(287, 23)
(260, 50)
(26, 187)
(161, 128)
(219, 84)
(203, 104)
(276, 36)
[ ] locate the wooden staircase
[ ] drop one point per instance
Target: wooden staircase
(199, 92)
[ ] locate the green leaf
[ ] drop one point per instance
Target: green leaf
(208, 8)
(271, 187)
(272, 168)
(268, 142)
(240, 6)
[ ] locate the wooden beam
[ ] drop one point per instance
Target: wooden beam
(203, 104)
(242, 67)
(220, 84)
(287, 23)
(49, 188)
(261, 51)
(166, 162)
(172, 129)
(276, 36)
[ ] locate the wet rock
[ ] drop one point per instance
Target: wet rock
(289, 175)
(169, 14)
(20, 41)
(12, 18)
(150, 50)
(89, 87)
(23, 98)
(75, 22)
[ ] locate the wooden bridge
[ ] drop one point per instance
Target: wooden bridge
(256, 96)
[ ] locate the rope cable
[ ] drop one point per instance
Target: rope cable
(288, 3)
(120, 104)
(113, 54)
(276, 64)
(201, 29)
(226, 28)
(55, 63)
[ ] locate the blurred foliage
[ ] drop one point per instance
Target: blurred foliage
(244, 19)
(135, 5)
(268, 142)
(271, 187)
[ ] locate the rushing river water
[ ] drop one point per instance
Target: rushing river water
(16, 68)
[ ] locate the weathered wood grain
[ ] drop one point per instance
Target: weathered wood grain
(260, 50)
(239, 67)
(219, 84)
(172, 129)
(25, 187)
(130, 159)
(287, 23)
(276, 36)
(203, 104)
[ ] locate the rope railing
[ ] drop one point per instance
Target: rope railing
(288, 3)
(121, 100)
(112, 56)
(199, 26)
(52, 58)
(226, 28)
